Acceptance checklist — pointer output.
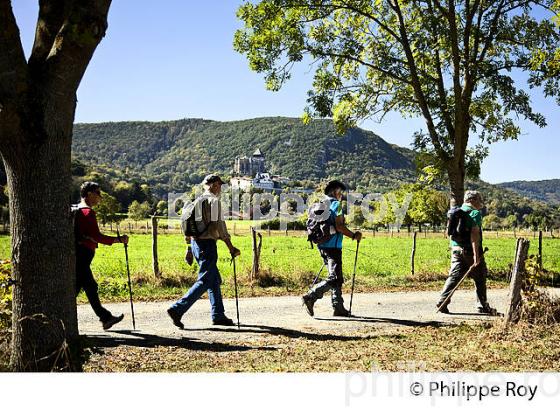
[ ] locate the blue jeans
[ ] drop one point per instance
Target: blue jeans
(209, 280)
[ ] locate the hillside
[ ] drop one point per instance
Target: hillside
(547, 191)
(177, 154)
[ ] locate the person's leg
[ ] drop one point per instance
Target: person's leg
(458, 268)
(336, 279)
(317, 291)
(215, 283)
(84, 277)
(479, 276)
(206, 259)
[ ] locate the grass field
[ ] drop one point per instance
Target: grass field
(288, 265)
(462, 348)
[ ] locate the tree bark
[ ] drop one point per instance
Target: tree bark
(456, 175)
(44, 302)
(37, 107)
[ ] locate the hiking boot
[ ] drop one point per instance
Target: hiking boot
(113, 320)
(443, 309)
(223, 321)
(341, 311)
(175, 317)
(308, 303)
(487, 310)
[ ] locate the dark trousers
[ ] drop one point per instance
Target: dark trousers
(85, 281)
(333, 259)
(461, 261)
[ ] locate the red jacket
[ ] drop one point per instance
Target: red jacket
(88, 231)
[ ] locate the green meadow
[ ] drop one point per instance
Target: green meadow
(288, 265)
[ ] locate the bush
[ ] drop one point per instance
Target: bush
(274, 224)
(5, 295)
(539, 308)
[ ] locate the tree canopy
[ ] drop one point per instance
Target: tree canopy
(449, 62)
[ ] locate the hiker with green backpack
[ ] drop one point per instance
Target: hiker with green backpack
(467, 255)
(203, 225)
(326, 228)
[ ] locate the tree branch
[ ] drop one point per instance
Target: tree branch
(13, 67)
(362, 62)
(74, 46)
(416, 84)
(13, 75)
(52, 15)
(442, 95)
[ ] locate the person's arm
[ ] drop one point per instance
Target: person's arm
(224, 234)
(92, 232)
(475, 243)
(343, 229)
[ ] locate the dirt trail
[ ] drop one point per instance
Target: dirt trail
(282, 315)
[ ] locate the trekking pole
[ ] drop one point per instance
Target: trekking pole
(235, 286)
(129, 284)
(353, 278)
(467, 273)
(317, 276)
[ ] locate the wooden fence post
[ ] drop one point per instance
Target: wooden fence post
(517, 279)
(155, 262)
(256, 253)
(413, 253)
(539, 256)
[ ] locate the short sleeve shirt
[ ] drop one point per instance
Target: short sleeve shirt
(336, 239)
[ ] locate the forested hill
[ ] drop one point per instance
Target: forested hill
(177, 154)
(547, 191)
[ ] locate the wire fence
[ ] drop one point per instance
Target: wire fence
(382, 253)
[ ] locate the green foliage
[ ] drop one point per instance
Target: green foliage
(107, 209)
(547, 191)
(138, 211)
(161, 208)
(449, 63)
(5, 294)
(190, 149)
(538, 306)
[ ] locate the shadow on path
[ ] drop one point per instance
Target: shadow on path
(400, 322)
(292, 333)
(138, 339)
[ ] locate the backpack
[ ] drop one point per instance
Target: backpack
(457, 225)
(189, 225)
(319, 228)
(74, 214)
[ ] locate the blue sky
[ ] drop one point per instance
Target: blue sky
(164, 60)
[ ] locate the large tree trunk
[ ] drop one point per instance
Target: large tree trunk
(44, 303)
(37, 106)
(457, 184)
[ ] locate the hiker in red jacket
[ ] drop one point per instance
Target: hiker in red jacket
(87, 237)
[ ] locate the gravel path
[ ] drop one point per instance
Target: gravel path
(284, 315)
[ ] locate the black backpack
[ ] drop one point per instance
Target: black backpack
(457, 225)
(189, 224)
(319, 229)
(74, 214)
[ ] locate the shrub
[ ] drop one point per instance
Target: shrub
(5, 295)
(539, 307)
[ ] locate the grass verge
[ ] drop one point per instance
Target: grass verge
(463, 347)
